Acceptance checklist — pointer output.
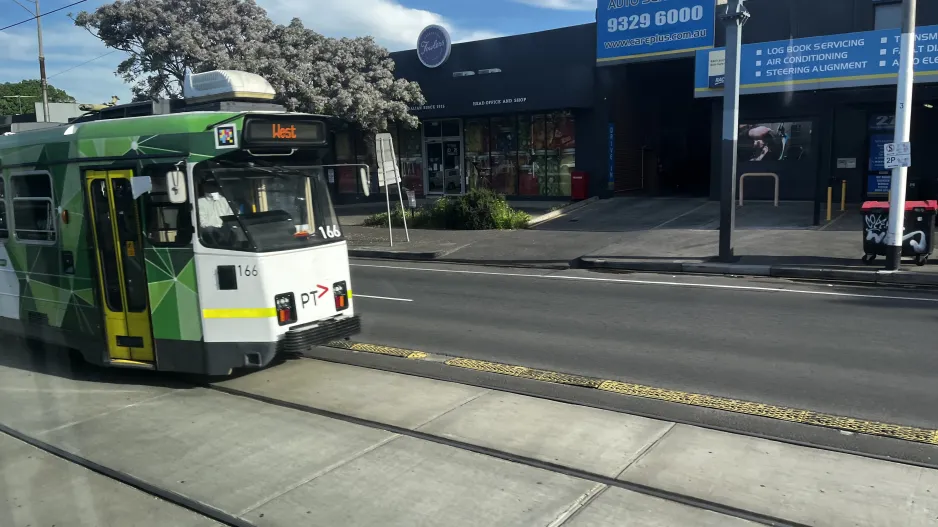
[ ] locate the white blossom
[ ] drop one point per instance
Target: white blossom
(350, 78)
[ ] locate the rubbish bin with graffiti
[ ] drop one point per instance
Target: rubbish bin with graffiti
(918, 232)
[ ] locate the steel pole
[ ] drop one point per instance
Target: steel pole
(736, 15)
(903, 131)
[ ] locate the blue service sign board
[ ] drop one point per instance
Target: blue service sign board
(867, 58)
(642, 29)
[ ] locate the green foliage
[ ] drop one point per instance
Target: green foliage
(32, 89)
(480, 209)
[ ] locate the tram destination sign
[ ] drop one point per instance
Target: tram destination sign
(280, 132)
(868, 58)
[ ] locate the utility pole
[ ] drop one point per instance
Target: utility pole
(43, 83)
(903, 131)
(735, 17)
(42, 69)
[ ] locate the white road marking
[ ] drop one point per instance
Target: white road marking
(356, 295)
(657, 282)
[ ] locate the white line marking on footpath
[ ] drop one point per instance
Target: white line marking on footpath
(668, 222)
(658, 282)
(65, 390)
(356, 295)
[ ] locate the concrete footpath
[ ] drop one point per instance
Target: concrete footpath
(659, 235)
(379, 448)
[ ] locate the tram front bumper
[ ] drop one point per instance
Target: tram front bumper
(221, 358)
(303, 337)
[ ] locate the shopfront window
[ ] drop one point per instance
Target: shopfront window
(539, 152)
(410, 156)
(553, 154)
(563, 142)
(550, 184)
(478, 166)
(527, 178)
(504, 159)
(521, 154)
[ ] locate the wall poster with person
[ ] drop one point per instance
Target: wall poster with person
(775, 141)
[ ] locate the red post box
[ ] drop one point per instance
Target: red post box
(579, 185)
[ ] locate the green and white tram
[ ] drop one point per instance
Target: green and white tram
(195, 235)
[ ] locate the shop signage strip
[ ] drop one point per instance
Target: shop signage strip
(868, 58)
(645, 29)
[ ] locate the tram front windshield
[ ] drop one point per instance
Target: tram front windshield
(263, 208)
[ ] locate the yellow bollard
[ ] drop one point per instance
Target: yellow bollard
(843, 195)
(830, 193)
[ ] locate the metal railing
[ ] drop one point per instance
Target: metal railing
(757, 174)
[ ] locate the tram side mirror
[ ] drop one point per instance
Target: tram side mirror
(176, 187)
(363, 177)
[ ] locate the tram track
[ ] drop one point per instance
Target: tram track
(130, 480)
(697, 503)
(231, 520)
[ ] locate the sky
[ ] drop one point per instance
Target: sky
(79, 64)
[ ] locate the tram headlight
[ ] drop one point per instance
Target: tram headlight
(286, 308)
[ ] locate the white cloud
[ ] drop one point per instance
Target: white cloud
(393, 25)
(15, 46)
(565, 5)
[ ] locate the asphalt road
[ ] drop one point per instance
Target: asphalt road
(859, 352)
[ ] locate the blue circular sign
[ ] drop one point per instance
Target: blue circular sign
(433, 46)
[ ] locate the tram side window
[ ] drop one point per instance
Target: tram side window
(167, 224)
(33, 210)
(4, 230)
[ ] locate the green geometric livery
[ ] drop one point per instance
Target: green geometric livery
(56, 285)
(174, 297)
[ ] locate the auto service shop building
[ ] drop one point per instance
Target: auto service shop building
(635, 101)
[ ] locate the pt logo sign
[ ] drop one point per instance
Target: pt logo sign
(433, 46)
(314, 296)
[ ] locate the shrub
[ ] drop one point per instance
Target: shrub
(479, 209)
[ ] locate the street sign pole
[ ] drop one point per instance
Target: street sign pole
(734, 18)
(903, 131)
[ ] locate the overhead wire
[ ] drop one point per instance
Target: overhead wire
(42, 14)
(83, 63)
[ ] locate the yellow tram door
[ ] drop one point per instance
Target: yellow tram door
(118, 243)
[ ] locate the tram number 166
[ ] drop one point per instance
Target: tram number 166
(247, 270)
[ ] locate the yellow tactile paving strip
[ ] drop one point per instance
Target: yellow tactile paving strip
(794, 415)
